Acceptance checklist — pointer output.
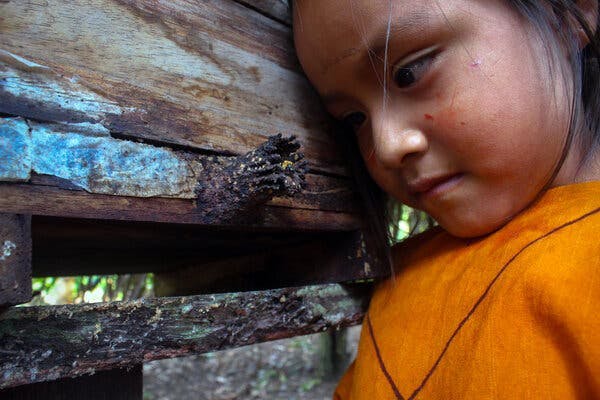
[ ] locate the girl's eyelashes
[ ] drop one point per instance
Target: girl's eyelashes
(354, 120)
(406, 75)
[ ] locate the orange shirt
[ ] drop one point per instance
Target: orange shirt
(513, 315)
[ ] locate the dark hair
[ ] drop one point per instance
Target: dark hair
(374, 200)
(558, 24)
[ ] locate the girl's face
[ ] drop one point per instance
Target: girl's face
(472, 124)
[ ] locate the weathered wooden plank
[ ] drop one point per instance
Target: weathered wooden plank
(320, 192)
(211, 75)
(325, 193)
(15, 259)
(46, 343)
(60, 202)
(55, 258)
(116, 384)
(85, 156)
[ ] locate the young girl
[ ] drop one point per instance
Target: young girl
(483, 113)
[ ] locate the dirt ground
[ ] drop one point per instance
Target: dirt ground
(290, 369)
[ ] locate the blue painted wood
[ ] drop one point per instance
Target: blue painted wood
(15, 146)
(87, 156)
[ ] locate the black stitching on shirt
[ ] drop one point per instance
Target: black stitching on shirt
(469, 314)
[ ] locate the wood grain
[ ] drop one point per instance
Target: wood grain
(83, 156)
(51, 342)
(212, 78)
(60, 202)
(211, 75)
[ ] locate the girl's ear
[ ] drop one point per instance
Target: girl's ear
(589, 10)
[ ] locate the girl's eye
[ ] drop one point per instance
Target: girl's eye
(409, 74)
(354, 120)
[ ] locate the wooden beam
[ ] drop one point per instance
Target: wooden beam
(15, 259)
(85, 157)
(59, 202)
(115, 384)
(51, 342)
(86, 247)
(327, 193)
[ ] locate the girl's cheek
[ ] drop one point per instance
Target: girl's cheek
(460, 121)
(449, 124)
(450, 117)
(452, 107)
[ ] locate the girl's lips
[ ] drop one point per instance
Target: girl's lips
(434, 186)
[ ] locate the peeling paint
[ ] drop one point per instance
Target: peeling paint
(15, 146)
(87, 156)
(7, 249)
(112, 166)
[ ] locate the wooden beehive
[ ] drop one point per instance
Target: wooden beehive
(116, 115)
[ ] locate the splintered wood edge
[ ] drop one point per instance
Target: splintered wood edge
(51, 342)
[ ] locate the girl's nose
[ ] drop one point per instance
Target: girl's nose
(392, 145)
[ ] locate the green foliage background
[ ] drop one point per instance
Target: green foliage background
(90, 289)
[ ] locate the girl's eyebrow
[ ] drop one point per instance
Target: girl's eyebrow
(408, 25)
